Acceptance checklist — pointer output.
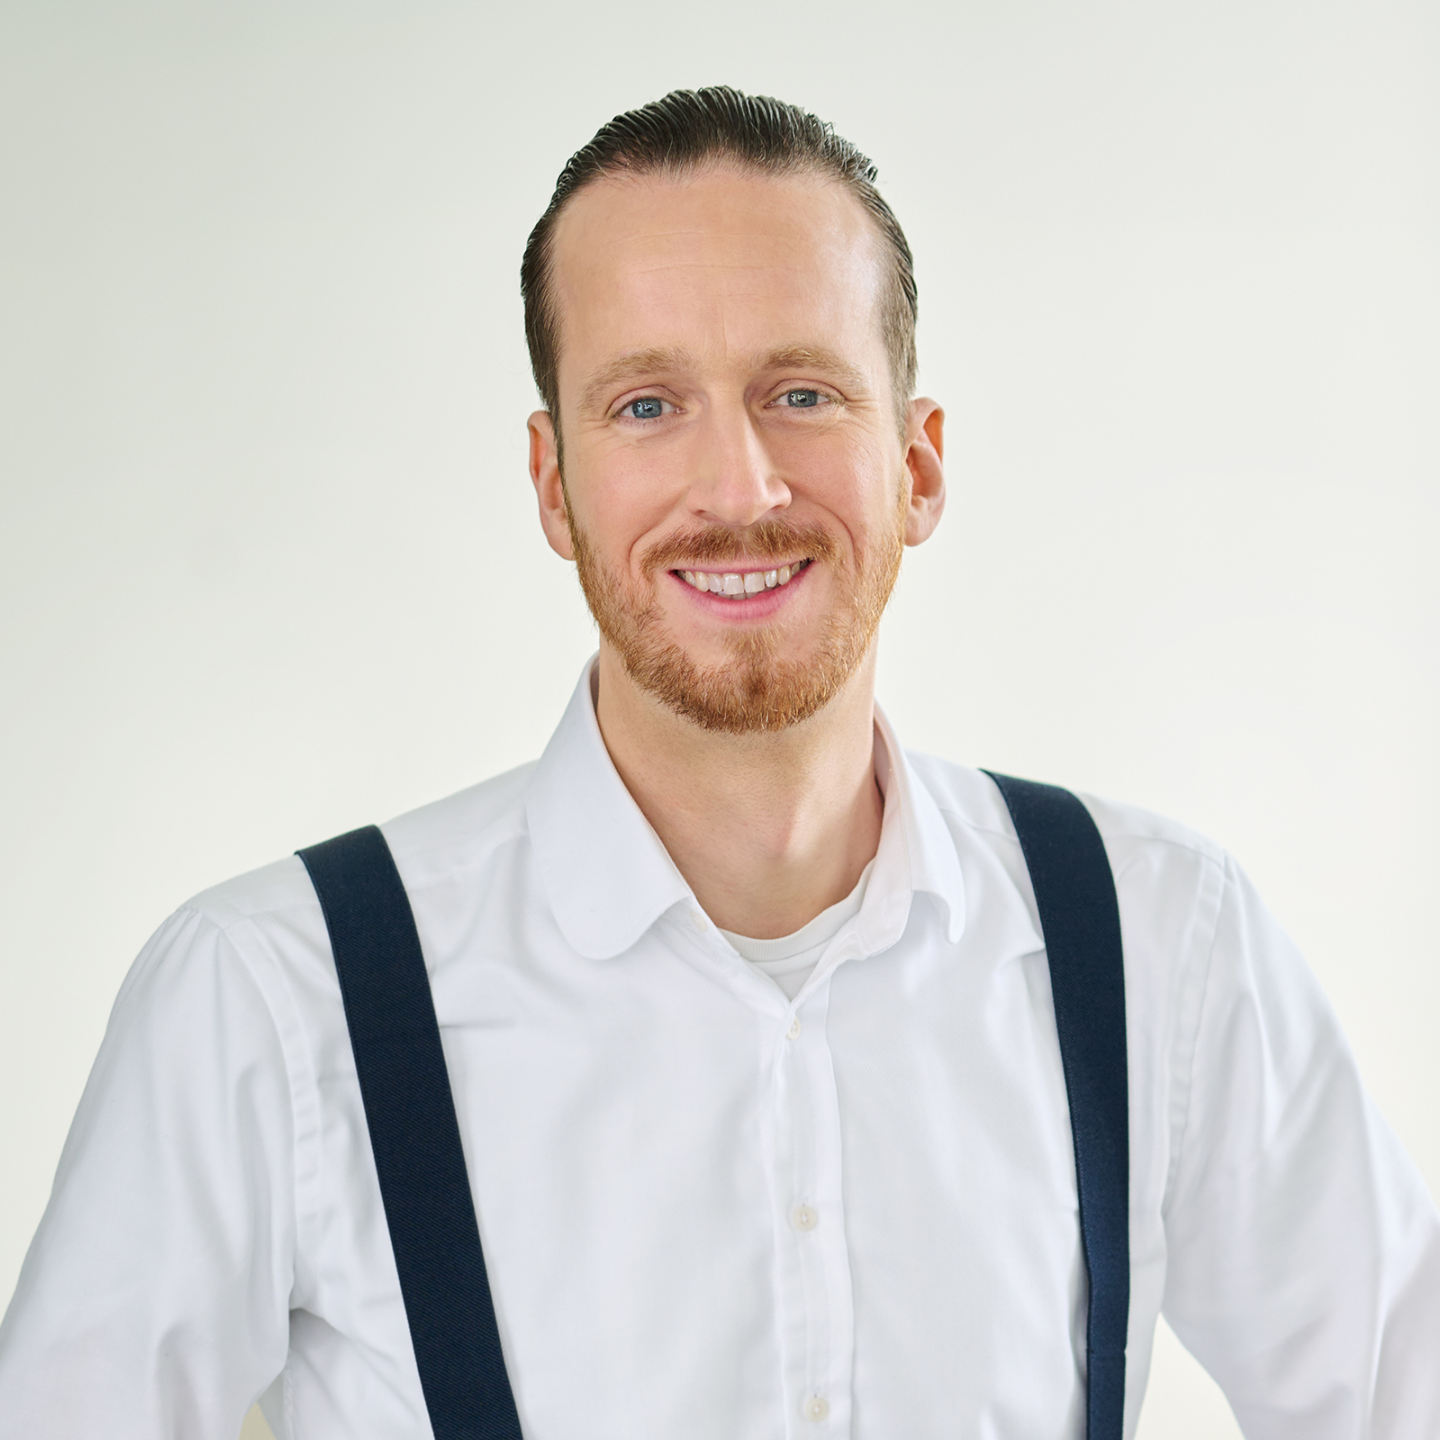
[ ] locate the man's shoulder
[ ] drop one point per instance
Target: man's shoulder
(463, 832)
(458, 833)
(969, 798)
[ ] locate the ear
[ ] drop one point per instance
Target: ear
(545, 476)
(924, 456)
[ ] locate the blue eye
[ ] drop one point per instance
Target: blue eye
(802, 399)
(647, 409)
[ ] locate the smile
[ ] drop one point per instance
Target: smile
(740, 585)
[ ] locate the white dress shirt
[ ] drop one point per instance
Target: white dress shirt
(708, 1210)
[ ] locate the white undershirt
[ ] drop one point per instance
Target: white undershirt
(789, 959)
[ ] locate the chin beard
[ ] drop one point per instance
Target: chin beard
(754, 690)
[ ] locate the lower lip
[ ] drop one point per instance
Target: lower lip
(759, 606)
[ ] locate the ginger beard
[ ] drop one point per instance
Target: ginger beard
(757, 689)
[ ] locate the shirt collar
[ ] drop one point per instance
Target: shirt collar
(608, 877)
(606, 874)
(916, 851)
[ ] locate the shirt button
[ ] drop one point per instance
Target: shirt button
(804, 1217)
(816, 1408)
(793, 1033)
(697, 919)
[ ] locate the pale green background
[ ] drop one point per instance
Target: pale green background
(268, 562)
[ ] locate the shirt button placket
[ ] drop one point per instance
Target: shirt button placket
(817, 1250)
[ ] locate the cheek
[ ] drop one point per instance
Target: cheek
(622, 503)
(852, 478)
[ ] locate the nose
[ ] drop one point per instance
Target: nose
(734, 480)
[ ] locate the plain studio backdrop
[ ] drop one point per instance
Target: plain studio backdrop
(270, 563)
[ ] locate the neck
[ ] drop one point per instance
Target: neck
(767, 829)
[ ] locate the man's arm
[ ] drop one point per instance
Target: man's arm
(154, 1301)
(1304, 1264)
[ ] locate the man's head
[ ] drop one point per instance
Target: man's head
(721, 316)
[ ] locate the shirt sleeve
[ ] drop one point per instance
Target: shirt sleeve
(1304, 1249)
(154, 1301)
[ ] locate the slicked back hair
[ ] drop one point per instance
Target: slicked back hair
(678, 135)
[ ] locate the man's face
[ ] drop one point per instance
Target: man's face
(736, 488)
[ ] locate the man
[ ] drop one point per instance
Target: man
(746, 1011)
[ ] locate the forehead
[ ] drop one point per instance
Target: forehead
(715, 263)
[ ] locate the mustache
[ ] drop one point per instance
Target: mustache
(778, 540)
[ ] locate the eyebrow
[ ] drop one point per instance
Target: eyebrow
(633, 365)
(818, 357)
(638, 364)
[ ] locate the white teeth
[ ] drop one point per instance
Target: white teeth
(734, 585)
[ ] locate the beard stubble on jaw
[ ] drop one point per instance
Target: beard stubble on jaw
(755, 689)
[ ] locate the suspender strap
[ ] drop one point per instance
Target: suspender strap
(415, 1137)
(1080, 922)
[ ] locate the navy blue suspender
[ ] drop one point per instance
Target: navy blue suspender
(1080, 923)
(415, 1137)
